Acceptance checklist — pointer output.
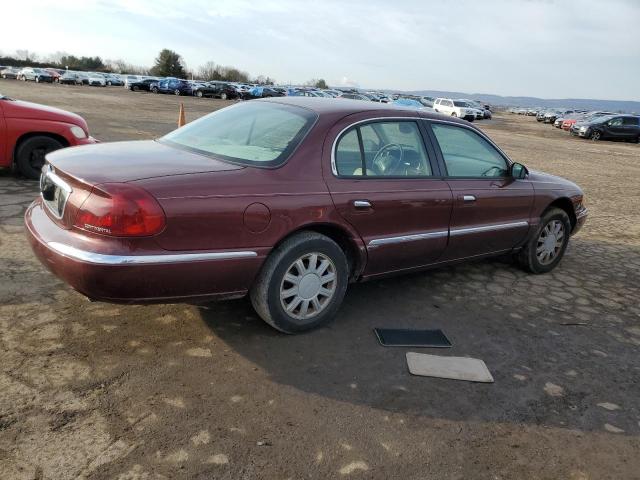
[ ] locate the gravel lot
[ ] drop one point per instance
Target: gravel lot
(92, 390)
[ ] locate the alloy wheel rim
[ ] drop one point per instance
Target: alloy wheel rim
(308, 286)
(550, 242)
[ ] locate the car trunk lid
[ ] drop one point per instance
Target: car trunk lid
(71, 173)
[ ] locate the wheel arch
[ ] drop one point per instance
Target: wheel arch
(356, 256)
(565, 203)
(26, 136)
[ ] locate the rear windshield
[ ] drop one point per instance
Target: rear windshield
(249, 133)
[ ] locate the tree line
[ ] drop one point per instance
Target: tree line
(168, 63)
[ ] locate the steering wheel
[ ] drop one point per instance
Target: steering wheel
(385, 159)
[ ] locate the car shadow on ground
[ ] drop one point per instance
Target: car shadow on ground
(556, 344)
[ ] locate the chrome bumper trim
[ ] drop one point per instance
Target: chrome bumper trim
(102, 259)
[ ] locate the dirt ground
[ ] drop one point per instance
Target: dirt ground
(97, 391)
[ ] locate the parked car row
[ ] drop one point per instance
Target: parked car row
(594, 125)
(65, 77)
(466, 109)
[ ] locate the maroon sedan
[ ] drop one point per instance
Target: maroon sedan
(289, 200)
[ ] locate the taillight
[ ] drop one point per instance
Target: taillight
(120, 209)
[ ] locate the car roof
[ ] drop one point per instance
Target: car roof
(343, 107)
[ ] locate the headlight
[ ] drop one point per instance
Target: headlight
(583, 128)
(78, 132)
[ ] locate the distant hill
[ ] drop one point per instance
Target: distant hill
(577, 103)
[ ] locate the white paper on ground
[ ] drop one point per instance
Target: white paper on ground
(456, 368)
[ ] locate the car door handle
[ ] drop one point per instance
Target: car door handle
(468, 198)
(362, 203)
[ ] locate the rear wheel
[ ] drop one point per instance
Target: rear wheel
(176, 92)
(302, 283)
(154, 90)
(199, 93)
(135, 88)
(223, 96)
(31, 152)
(546, 247)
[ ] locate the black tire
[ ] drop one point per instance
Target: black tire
(135, 88)
(31, 152)
(223, 96)
(527, 257)
(265, 293)
(596, 135)
(154, 90)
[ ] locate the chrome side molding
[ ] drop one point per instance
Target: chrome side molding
(103, 259)
(407, 238)
(444, 233)
(488, 228)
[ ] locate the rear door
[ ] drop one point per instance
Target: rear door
(490, 208)
(384, 181)
(631, 127)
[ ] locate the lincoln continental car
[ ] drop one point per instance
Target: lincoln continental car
(288, 200)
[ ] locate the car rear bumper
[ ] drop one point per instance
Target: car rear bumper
(102, 273)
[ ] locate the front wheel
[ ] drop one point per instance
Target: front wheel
(454, 114)
(199, 94)
(546, 247)
(596, 135)
(176, 92)
(154, 90)
(223, 96)
(302, 283)
(30, 154)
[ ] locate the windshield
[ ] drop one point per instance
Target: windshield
(251, 133)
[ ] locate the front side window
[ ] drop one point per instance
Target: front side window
(467, 154)
(251, 133)
(616, 122)
(383, 149)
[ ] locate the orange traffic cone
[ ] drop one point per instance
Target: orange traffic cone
(181, 120)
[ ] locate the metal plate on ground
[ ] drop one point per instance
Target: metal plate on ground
(402, 337)
(455, 368)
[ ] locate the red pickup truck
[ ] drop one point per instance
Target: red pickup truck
(28, 131)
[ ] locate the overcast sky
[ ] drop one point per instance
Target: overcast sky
(544, 48)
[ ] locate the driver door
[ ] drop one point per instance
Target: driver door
(490, 208)
(395, 201)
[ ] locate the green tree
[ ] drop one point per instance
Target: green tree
(317, 83)
(168, 64)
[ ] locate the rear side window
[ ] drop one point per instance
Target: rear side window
(467, 154)
(630, 121)
(383, 149)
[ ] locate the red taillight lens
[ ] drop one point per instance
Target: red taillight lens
(120, 210)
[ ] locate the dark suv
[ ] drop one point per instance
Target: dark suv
(217, 90)
(172, 85)
(614, 127)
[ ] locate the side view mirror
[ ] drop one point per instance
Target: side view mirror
(518, 171)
